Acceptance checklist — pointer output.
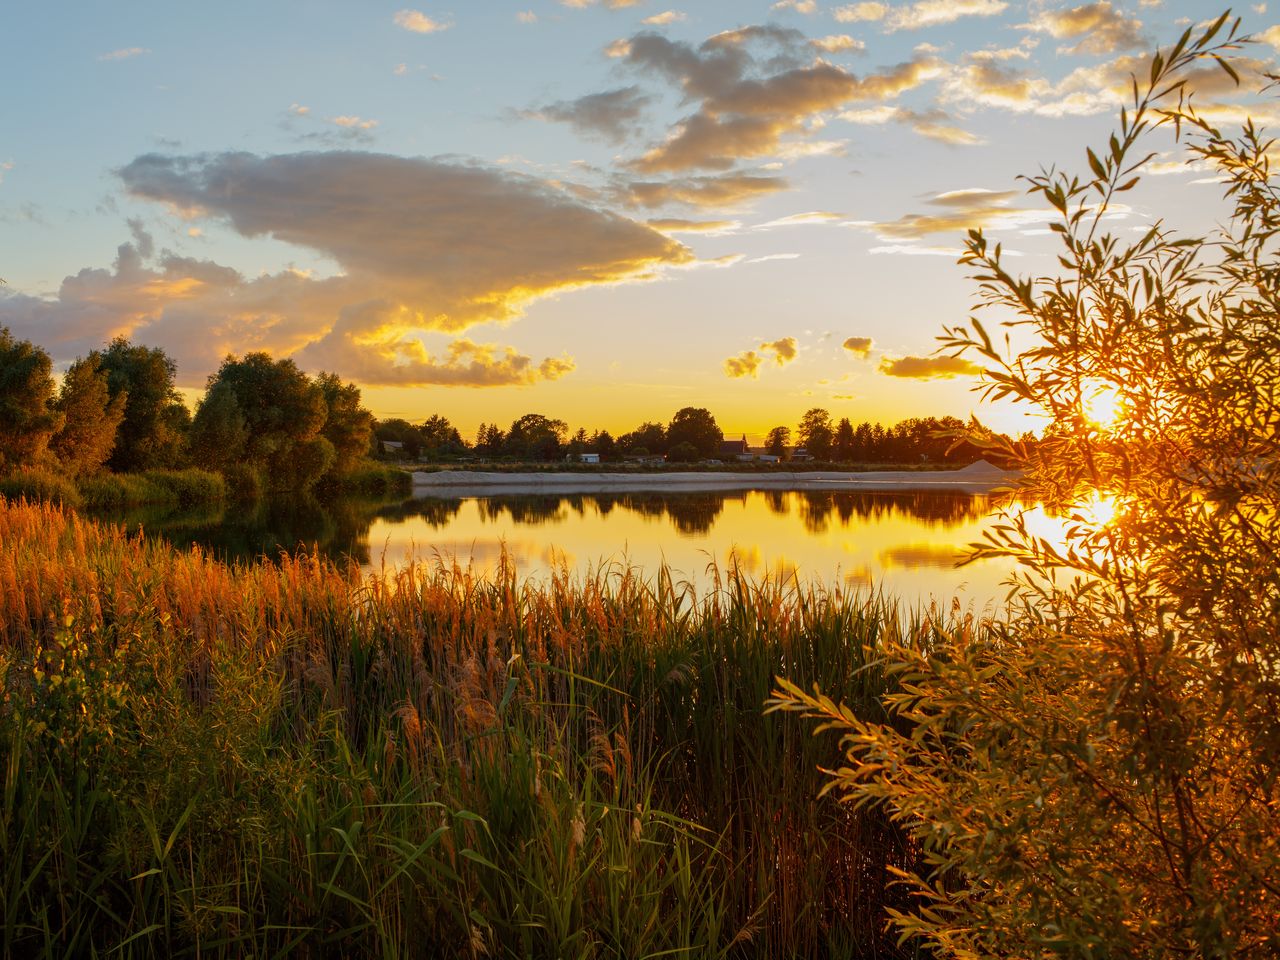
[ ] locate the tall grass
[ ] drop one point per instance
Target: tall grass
(231, 760)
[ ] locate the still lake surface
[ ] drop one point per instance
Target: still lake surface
(904, 543)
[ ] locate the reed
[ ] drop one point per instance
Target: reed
(224, 760)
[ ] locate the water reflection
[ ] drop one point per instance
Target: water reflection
(905, 542)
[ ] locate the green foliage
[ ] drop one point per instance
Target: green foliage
(27, 421)
(283, 413)
(683, 452)
(91, 418)
(152, 433)
(1099, 776)
(371, 479)
(219, 432)
(348, 427)
(114, 491)
(697, 427)
(39, 485)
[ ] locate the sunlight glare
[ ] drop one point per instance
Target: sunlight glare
(1102, 403)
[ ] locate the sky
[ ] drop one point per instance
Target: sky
(596, 210)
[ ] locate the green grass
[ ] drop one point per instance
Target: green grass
(251, 760)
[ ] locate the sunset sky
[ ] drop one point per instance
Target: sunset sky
(598, 210)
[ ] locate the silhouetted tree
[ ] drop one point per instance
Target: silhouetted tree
(778, 440)
(842, 449)
(696, 427)
(535, 437)
(815, 433)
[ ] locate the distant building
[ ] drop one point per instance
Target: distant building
(800, 454)
(392, 446)
(735, 449)
(589, 458)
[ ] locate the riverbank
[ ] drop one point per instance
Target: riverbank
(980, 477)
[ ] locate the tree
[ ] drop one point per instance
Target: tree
(649, 437)
(1100, 773)
(441, 438)
(535, 437)
(815, 433)
(347, 426)
(400, 431)
(843, 447)
(27, 420)
(284, 413)
(90, 418)
(153, 430)
(219, 432)
(778, 440)
(683, 452)
(696, 427)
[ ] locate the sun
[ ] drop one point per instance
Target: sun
(1101, 403)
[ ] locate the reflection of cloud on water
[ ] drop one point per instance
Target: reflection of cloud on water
(916, 555)
(859, 579)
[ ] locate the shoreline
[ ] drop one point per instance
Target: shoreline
(462, 483)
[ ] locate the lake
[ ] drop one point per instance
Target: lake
(905, 543)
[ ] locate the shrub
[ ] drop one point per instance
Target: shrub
(244, 482)
(187, 487)
(1099, 776)
(42, 485)
(372, 479)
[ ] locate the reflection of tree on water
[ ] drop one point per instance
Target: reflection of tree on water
(530, 510)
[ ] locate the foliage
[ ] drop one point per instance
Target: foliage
(375, 480)
(283, 413)
(153, 487)
(26, 390)
(243, 761)
(697, 427)
(91, 418)
(777, 441)
(535, 437)
(1098, 777)
(152, 432)
(39, 485)
(348, 426)
(219, 431)
(683, 452)
(815, 433)
(649, 437)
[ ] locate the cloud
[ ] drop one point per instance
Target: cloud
(753, 105)
(527, 16)
(125, 53)
(1104, 28)
(5, 167)
(423, 246)
(929, 368)
(745, 364)
(725, 192)
(465, 364)
(801, 219)
(934, 124)
(838, 43)
(914, 16)
(678, 225)
(861, 12)
(353, 122)
(664, 18)
(748, 363)
(415, 21)
(859, 346)
(612, 114)
(960, 210)
(783, 350)
(799, 6)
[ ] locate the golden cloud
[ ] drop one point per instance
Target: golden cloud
(611, 114)
(961, 210)
(914, 16)
(724, 192)
(746, 364)
(929, 368)
(783, 350)
(1104, 28)
(424, 246)
(859, 346)
(415, 21)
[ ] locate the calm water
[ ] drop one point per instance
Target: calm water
(906, 543)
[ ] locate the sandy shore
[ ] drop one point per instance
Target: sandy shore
(465, 483)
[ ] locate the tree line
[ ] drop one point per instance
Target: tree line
(262, 423)
(692, 434)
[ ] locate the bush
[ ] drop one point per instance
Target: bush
(187, 487)
(244, 482)
(114, 491)
(372, 479)
(1098, 777)
(40, 485)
